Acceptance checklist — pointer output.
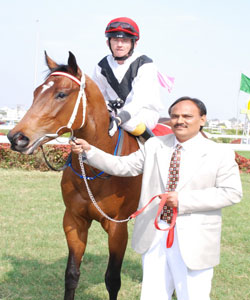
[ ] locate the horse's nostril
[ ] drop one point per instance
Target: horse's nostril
(18, 140)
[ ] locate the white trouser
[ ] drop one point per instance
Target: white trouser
(146, 116)
(165, 271)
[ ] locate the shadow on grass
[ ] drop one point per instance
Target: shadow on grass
(36, 280)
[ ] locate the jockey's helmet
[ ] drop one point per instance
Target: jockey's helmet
(122, 28)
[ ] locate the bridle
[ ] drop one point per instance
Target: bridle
(81, 96)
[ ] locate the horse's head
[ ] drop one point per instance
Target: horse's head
(60, 104)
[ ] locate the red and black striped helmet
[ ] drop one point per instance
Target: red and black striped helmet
(122, 28)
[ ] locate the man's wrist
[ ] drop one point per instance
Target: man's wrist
(90, 152)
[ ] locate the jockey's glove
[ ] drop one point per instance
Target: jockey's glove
(118, 120)
(113, 126)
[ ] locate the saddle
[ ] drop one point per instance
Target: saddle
(162, 129)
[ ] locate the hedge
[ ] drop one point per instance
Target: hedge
(244, 163)
(57, 156)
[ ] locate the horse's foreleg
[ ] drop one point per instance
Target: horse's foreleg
(118, 237)
(76, 232)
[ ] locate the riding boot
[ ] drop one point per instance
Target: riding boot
(147, 134)
(142, 132)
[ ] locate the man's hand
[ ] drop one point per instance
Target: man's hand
(79, 145)
(171, 199)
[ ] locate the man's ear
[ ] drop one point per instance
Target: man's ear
(135, 44)
(203, 120)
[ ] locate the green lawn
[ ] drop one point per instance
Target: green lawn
(4, 131)
(246, 154)
(33, 251)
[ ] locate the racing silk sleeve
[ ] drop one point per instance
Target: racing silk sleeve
(102, 83)
(137, 83)
(145, 91)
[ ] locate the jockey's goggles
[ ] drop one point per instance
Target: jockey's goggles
(116, 25)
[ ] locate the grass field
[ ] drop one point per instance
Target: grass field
(246, 154)
(33, 250)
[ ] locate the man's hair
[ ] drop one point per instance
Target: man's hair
(201, 106)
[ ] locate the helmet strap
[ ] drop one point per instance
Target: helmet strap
(122, 58)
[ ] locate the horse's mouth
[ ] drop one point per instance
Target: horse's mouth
(35, 145)
(20, 143)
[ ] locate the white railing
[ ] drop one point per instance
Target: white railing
(233, 136)
(237, 147)
(63, 141)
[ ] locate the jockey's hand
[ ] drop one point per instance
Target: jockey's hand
(79, 146)
(114, 124)
(116, 121)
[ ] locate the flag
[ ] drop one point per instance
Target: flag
(245, 84)
(166, 81)
(244, 96)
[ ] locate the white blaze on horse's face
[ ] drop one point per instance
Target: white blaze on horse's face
(47, 86)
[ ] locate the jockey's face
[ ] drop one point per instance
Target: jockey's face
(120, 46)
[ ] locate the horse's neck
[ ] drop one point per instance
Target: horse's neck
(96, 129)
(97, 135)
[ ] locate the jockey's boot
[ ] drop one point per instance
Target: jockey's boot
(143, 132)
(147, 134)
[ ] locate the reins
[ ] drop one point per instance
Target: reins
(67, 163)
(117, 151)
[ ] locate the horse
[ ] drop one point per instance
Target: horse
(58, 107)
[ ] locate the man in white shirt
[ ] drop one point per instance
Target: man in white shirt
(128, 81)
(208, 181)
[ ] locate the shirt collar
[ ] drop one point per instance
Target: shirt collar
(127, 61)
(189, 144)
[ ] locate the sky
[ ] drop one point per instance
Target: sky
(203, 44)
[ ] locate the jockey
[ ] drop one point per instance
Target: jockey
(128, 81)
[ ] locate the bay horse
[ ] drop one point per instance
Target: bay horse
(58, 106)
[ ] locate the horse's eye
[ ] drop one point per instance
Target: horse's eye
(61, 95)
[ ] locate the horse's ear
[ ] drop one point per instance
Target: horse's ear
(50, 63)
(73, 65)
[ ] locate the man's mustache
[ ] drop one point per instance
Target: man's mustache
(180, 125)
